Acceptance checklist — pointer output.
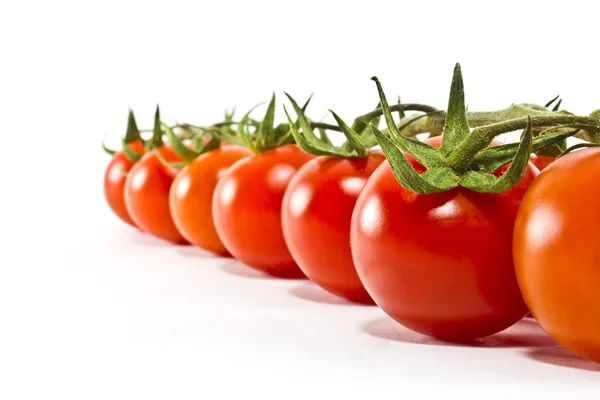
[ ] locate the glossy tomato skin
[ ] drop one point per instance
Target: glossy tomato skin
(191, 196)
(147, 195)
(439, 264)
(247, 209)
(556, 251)
(541, 162)
(317, 209)
(114, 182)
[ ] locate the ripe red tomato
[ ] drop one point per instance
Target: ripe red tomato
(556, 252)
(147, 194)
(192, 193)
(247, 209)
(114, 182)
(317, 208)
(541, 162)
(439, 264)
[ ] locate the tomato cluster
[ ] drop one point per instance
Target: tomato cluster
(457, 236)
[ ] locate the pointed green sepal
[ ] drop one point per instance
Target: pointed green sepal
(108, 151)
(265, 135)
(404, 172)
(492, 158)
(307, 102)
(557, 106)
(351, 135)
(425, 154)
(229, 115)
(157, 132)
(244, 133)
(305, 136)
(184, 152)
(442, 177)
(456, 127)
(129, 154)
(323, 136)
(302, 121)
(133, 133)
(487, 183)
(283, 135)
(548, 104)
(307, 141)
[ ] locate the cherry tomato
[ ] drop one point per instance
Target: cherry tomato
(192, 192)
(247, 209)
(439, 264)
(114, 182)
(556, 252)
(541, 162)
(317, 208)
(147, 194)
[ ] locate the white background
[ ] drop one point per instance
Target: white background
(90, 309)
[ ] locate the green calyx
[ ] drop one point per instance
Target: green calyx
(133, 134)
(360, 137)
(187, 152)
(465, 158)
(262, 136)
(303, 133)
(153, 142)
(189, 142)
(556, 149)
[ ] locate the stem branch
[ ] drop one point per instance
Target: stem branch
(481, 137)
(434, 122)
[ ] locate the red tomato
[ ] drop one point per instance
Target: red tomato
(439, 264)
(147, 195)
(247, 209)
(192, 192)
(317, 208)
(541, 162)
(556, 252)
(114, 182)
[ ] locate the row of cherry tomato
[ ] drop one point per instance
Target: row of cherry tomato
(455, 265)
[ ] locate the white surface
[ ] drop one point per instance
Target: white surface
(116, 314)
(90, 309)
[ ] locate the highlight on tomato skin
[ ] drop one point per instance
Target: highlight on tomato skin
(191, 195)
(317, 209)
(247, 209)
(556, 251)
(147, 195)
(114, 182)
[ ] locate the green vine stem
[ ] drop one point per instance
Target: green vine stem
(359, 137)
(481, 137)
(433, 122)
(401, 108)
(578, 146)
